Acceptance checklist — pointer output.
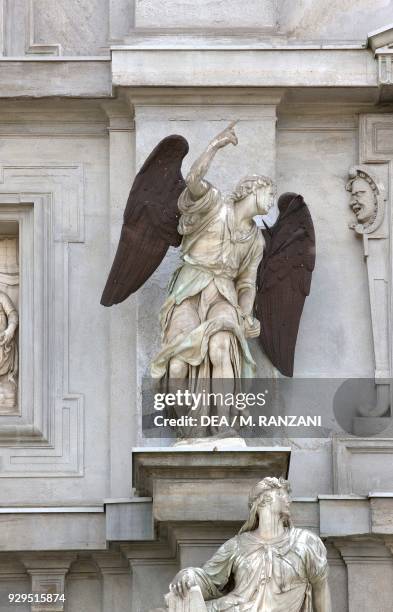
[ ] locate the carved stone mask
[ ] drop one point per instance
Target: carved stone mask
(362, 200)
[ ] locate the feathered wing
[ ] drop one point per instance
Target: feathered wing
(150, 220)
(284, 280)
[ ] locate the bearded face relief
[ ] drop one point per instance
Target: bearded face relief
(362, 200)
(366, 201)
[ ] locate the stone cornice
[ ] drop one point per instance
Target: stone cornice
(174, 66)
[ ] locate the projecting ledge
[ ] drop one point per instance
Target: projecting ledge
(55, 76)
(204, 485)
(52, 528)
(347, 515)
(218, 66)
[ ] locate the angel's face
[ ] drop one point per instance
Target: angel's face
(264, 199)
(362, 200)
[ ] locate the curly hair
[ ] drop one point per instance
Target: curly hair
(259, 496)
(250, 184)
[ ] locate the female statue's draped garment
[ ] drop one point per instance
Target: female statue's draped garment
(273, 575)
(218, 261)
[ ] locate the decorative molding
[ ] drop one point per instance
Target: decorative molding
(47, 439)
(31, 46)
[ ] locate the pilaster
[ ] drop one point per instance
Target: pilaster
(48, 573)
(122, 318)
(370, 574)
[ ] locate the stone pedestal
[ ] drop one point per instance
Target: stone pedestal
(200, 485)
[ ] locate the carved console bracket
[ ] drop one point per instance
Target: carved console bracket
(381, 42)
(371, 204)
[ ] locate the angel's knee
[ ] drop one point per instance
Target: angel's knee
(178, 368)
(219, 347)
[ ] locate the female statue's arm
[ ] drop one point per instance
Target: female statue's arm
(213, 576)
(196, 184)
(321, 596)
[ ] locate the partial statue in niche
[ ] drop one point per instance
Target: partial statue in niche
(270, 566)
(367, 200)
(9, 321)
(235, 281)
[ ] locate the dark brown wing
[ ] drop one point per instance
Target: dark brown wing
(150, 220)
(284, 280)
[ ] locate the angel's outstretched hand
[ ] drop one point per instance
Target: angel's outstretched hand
(226, 137)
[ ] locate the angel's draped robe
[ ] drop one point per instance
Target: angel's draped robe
(269, 576)
(218, 261)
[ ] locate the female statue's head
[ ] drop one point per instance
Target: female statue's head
(262, 187)
(273, 493)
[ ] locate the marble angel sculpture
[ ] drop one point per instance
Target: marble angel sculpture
(235, 281)
(270, 566)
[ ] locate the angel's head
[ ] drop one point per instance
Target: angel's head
(259, 190)
(272, 493)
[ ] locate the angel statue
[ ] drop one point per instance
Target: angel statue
(235, 281)
(270, 566)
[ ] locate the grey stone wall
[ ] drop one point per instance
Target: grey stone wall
(87, 89)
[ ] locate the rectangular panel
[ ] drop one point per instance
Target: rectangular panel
(384, 138)
(205, 13)
(362, 465)
(68, 27)
(375, 138)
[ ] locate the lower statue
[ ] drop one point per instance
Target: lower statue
(270, 566)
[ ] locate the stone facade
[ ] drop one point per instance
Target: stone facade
(87, 89)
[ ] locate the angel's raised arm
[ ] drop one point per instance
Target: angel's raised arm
(195, 178)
